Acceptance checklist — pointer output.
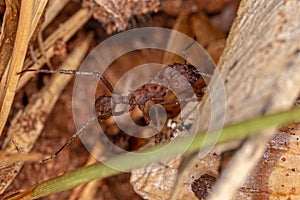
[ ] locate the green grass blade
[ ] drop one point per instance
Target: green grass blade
(128, 161)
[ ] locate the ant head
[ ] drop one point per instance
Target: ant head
(103, 107)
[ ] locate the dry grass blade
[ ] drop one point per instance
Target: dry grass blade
(37, 112)
(65, 32)
(10, 158)
(39, 7)
(10, 79)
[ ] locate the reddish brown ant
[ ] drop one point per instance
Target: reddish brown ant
(154, 91)
(175, 77)
(171, 75)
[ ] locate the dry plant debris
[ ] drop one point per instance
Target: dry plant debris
(277, 174)
(32, 120)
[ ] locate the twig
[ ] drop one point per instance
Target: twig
(10, 79)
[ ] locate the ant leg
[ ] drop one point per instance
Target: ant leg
(297, 102)
(72, 72)
(169, 103)
(118, 113)
(146, 115)
(70, 140)
(176, 101)
(205, 75)
(183, 52)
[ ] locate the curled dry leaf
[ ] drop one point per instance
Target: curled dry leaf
(258, 82)
(114, 15)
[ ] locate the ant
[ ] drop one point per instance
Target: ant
(174, 77)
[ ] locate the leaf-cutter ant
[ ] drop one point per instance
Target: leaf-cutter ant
(153, 92)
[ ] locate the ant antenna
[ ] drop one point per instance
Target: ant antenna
(72, 72)
(70, 140)
(203, 74)
(183, 52)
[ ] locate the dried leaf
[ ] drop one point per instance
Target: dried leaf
(257, 82)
